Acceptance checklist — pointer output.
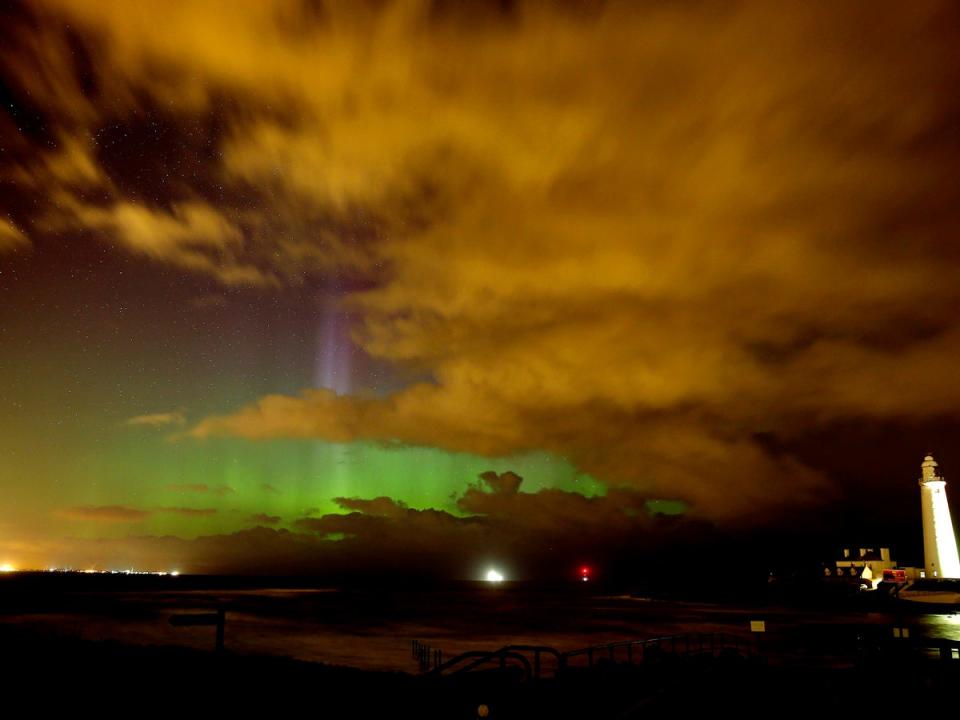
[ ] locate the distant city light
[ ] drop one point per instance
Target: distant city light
(493, 576)
(129, 571)
(585, 573)
(10, 568)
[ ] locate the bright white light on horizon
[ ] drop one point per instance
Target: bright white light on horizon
(494, 576)
(7, 567)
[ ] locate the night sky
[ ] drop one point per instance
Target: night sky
(316, 287)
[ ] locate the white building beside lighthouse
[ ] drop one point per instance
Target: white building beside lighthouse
(939, 543)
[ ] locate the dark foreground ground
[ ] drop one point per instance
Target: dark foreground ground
(104, 646)
(44, 673)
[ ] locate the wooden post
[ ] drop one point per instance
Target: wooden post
(218, 619)
(221, 622)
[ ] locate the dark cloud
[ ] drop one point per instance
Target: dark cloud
(189, 512)
(384, 506)
(258, 550)
(264, 519)
(499, 499)
(119, 513)
(542, 535)
(219, 490)
(507, 483)
(534, 533)
(105, 513)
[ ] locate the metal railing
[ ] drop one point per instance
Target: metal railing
(502, 658)
(632, 651)
(426, 656)
(530, 658)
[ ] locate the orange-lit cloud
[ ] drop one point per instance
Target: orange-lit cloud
(191, 235)
(641, 237)
(11, 237)
(157, 420)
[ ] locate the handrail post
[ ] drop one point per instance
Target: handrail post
(221, 621)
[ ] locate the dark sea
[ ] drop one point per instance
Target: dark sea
(373, 627)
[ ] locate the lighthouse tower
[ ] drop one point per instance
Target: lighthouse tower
(939, 543)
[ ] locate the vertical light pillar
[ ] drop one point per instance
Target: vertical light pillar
(939, 543)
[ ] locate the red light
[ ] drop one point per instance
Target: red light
(584, 570)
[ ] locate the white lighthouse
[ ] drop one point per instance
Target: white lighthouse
(939, 543)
